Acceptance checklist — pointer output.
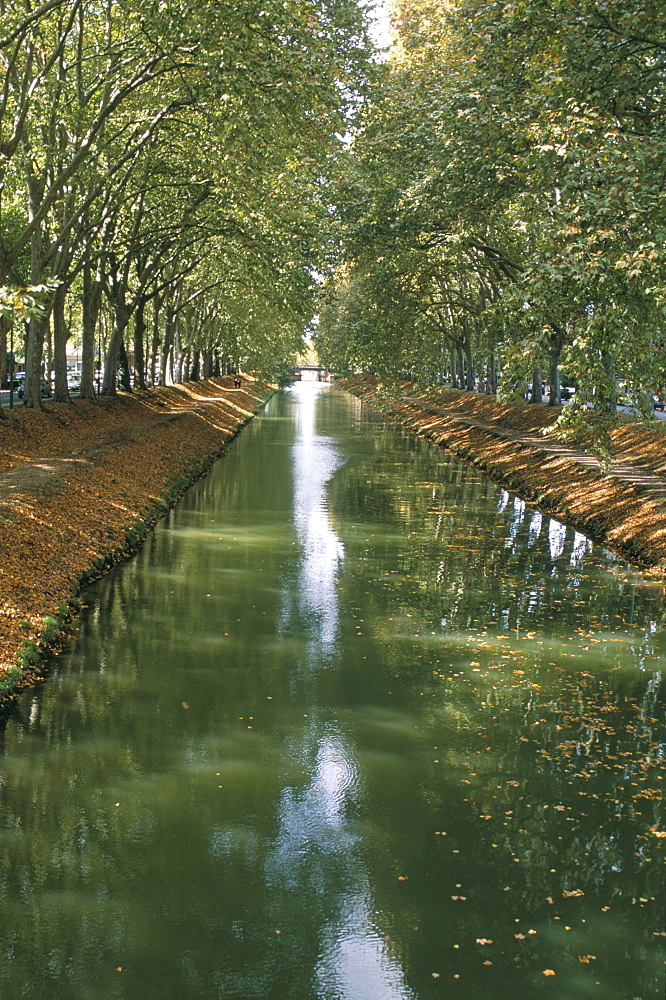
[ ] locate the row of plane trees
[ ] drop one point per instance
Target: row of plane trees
(504, 202)
(163, 180)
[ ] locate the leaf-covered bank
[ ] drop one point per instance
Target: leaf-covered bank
(625, 507)
(81, 484)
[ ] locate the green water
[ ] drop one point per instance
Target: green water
(355, 724)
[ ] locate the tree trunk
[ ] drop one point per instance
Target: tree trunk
(169, 333)
(453, 366)
(554, 355)
(123, 368)
(155, 339)
(537, 396)
(469, 364)
(34, 347)
(33, 362)
(606, 401)
(120, 320)
(92, 293)
(139, 354)
(554, 379)
(4, 327)
(60, 338)
(492, 374)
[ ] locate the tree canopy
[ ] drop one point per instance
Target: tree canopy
(503, 201)
(487, 204)
(163, 173)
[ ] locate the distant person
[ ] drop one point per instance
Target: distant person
(237, 382)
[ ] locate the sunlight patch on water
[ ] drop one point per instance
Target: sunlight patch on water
(315, 460)
(356, 960)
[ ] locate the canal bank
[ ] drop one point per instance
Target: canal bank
(81, 484)
(355, 723)
(624, 506)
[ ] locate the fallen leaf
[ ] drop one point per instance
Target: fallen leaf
(549, 972)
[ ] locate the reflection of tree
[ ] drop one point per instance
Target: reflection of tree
(460, 557)
(486, 728)
(521, 651)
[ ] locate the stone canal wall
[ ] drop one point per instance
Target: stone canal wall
(81, 484)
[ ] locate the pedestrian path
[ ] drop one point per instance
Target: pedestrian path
(632, 475)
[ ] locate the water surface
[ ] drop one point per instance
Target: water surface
(355, 724)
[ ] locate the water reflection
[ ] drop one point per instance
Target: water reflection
(315, 460)
(319, 740)
(316, 851)
(355, 961)
(318, 855)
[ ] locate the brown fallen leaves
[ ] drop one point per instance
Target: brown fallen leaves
(76, 477)
(564, 480)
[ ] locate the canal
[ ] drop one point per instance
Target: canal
(354, 724)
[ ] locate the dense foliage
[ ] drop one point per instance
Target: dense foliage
(163, 179)
(504, 201)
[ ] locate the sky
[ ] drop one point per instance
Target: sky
(382, 31)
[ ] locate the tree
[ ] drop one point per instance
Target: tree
(125, 117)
(496, 155)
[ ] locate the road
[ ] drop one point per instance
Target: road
(4, 397)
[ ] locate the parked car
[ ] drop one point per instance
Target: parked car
(46, 389)
(658, 401)
(566, 392)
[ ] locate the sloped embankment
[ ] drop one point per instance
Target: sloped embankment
(624, 507)
(81, 483)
